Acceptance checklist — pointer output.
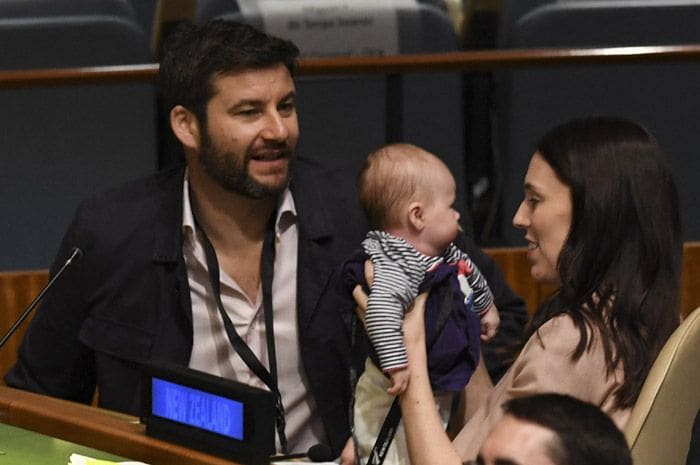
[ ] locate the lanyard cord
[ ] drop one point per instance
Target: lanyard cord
(267, 265)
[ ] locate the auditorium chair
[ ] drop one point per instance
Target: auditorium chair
(662, 96)
(61, 143)
(659, 428)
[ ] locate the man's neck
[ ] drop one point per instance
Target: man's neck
(235, 225)
(230, 220)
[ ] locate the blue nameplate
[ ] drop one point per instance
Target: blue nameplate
(205, 412)
(197, 408)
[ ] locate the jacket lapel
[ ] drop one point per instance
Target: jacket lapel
(167, 240)
(315, 236)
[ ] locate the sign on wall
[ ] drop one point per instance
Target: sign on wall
(333, 27)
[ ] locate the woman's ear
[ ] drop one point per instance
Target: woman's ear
(186, 127)
(416, 218)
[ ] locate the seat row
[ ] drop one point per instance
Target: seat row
(664, 97)
(62, 143)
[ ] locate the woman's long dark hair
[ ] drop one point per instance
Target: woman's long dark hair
(621, 263)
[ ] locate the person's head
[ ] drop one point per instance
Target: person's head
(545, 214)
(602, 221)
(410, 193)
(230, 94)
(195, 55)
(593, 185)
(554, 429)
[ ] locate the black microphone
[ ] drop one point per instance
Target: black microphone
(75, 255)
(320, 453)
(316, 453)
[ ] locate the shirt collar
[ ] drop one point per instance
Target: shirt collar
(286, 211)
(188, 227)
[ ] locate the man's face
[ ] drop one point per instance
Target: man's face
(517, 442)
(248, 142)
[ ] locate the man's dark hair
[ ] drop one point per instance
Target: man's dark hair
(585, 434)
(193, 55)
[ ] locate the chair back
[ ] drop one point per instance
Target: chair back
(659, 429)
(663, 97)
(62, 143)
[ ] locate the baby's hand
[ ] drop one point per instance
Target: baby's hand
(399, 381)
(489, 323)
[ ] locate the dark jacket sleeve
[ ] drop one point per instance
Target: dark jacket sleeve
(500, 352)
(51, 361)
(116, 307)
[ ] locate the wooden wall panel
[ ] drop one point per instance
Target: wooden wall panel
(516, 269)
(690, 284)
(18, 288)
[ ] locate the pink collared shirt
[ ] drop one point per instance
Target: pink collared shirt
(213, 353)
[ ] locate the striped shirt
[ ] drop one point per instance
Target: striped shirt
(399, 270)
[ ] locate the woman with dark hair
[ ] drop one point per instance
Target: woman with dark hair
(600, 215)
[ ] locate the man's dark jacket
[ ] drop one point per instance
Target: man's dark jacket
(128, 299)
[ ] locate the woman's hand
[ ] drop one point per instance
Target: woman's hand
(414, 327)
(426, 438)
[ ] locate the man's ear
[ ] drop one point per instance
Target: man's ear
(186, 127)
(416, 218)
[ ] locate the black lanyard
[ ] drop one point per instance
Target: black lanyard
(267, 265)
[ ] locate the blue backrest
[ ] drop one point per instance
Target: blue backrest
(61, 143)
(664, 97)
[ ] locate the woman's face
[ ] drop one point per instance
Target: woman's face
(545, 215)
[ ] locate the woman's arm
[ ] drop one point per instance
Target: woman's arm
(473, 396)
(425, 435)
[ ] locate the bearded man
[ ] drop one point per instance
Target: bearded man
(184, 266)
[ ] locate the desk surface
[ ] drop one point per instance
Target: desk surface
(19, 446)
(104, 430)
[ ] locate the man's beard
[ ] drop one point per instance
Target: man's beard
(231, 171)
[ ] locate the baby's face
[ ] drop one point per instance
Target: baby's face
(441, 218)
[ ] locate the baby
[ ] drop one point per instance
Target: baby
(408, 195)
